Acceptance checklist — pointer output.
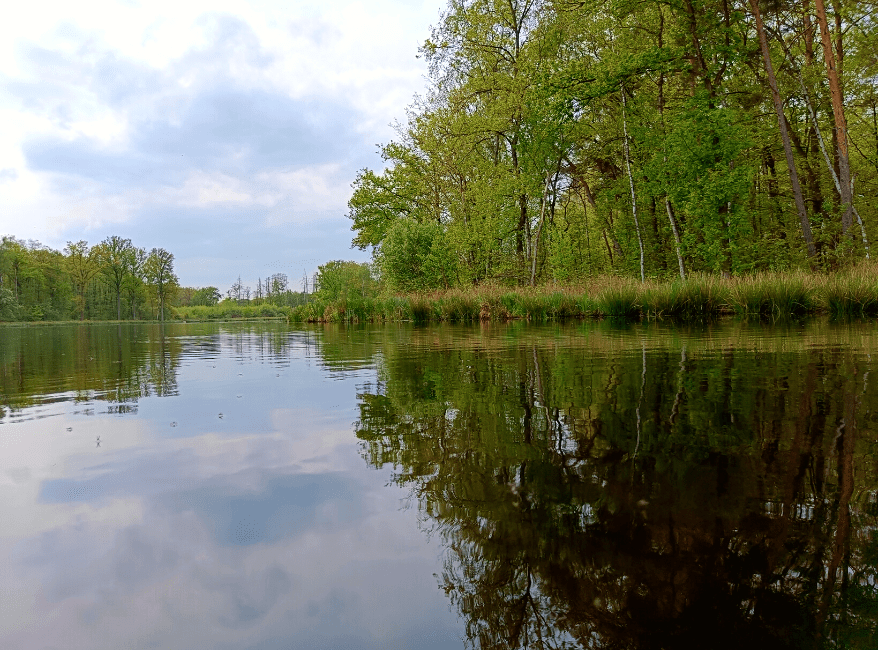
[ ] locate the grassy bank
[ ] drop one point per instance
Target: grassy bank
(852, 293)
(227, 311)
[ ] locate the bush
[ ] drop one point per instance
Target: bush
(229, 310)
(10, 310)
(339, 279)
(415, 257)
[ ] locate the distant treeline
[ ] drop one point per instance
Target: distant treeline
(273, 290)
(557, 141)
(116, 280)
(111, 280)
(273, 297)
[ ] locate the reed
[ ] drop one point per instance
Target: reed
(774, 295)
(699, 296)
(421, 309)
(851, 293)
(395, 308)
(621, 301)
(458, 307)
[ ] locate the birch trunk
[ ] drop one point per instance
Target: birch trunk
(676, 238)
(536, 243)
(631, 185)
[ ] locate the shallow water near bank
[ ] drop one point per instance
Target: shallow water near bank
(499, 485)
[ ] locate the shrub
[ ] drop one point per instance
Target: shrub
(339, 279)
(415, 256)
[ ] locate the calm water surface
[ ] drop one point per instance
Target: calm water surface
(496, 486)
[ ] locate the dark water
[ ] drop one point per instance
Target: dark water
(503, 486)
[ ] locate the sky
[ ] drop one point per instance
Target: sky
(228, 133)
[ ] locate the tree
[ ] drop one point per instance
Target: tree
(206, 296)
(524, 91)
(82, 264)
(339, 279)
(159, 271)
(116, 257)
(134, 280)
(784, 134)
(841, 130)
(416, 257)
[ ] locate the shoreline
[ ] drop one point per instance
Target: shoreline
(848, 294)
(852, 293)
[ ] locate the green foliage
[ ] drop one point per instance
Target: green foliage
(229, 310)
(117, 260)
(109, 281)
(37, 280)
(10, 310)
(517, 147)
(416, 257)
(339, 280)
(158, 271)
(206, 297)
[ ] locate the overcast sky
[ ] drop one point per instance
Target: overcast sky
(226, 132)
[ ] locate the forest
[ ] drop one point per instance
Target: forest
(111, 280)
(561, 140)
(116, 280)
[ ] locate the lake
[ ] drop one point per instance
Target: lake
(253, 485)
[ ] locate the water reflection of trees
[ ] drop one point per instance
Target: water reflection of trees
(606, 493)
(115, 363)
(121, 364)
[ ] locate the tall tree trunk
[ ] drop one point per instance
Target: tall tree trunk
(631, 185)
(841, 129)
(536, 243)
(784, 134)
(676, 238)
(829, 166)
(609, 250)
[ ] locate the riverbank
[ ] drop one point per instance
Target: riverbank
(181, 314)
(231, 311)
(852, 293)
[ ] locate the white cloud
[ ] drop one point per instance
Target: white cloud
(101, 99)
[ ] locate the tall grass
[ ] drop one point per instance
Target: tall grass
(699, 296)
(775, 295)
(851, 293)
(621, 301)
